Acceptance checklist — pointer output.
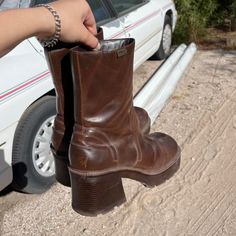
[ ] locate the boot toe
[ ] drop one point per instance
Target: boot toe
(168, 149)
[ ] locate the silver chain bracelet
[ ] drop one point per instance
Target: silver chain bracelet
(52, 41)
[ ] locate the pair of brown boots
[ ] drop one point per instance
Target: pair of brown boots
(99, 137)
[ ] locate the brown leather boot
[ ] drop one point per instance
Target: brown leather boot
(59, 63)
(107, 143)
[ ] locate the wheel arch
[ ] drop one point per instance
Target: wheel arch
(49, 93)
(170, 14)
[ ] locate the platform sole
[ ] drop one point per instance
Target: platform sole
(61, 170)
(94, 195)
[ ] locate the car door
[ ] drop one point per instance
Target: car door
(105, 16)
(143, 21)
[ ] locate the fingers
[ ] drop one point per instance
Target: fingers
(78, 22)
(88, 38)
(90, 22)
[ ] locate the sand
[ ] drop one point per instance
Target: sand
(201, 197)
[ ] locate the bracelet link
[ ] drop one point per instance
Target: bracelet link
(52, 41)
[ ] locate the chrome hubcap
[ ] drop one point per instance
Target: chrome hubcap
(42, 156)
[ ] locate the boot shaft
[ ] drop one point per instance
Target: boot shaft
(105, 121)
(103, 84)
(60, 68)
(58, 60)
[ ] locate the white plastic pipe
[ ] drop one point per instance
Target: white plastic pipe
(159, 97)
(155, 83)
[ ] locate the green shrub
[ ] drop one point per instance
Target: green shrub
(233, 9)
(193, 17)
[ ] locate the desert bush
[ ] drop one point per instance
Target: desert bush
(193, 18)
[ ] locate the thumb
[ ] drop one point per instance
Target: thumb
(88, 38)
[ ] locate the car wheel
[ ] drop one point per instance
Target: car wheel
(165, 46)
(32, 160)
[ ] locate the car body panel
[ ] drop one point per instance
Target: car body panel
(6, 143)
(113, 30)
(27, 76)
(147, 40)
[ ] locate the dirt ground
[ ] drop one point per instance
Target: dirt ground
(199, 200)
(218, 38)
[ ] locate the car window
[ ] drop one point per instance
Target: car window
(121, 5)
(99, 10)
(8, 4)
(36, 2)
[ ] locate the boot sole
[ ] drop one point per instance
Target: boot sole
(94, 195)
(61, 170)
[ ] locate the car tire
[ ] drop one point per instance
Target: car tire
(31, 146)
(165, 46)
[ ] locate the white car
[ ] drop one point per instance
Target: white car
(27, 96)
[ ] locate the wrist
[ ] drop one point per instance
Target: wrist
(46, 23)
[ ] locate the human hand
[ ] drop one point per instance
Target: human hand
(77, 22)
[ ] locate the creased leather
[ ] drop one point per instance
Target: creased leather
(58, 59)
(107, 134)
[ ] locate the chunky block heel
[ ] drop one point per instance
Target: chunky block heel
(96, 195)
(61, 168)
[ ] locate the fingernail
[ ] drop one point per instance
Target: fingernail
(98, 47)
